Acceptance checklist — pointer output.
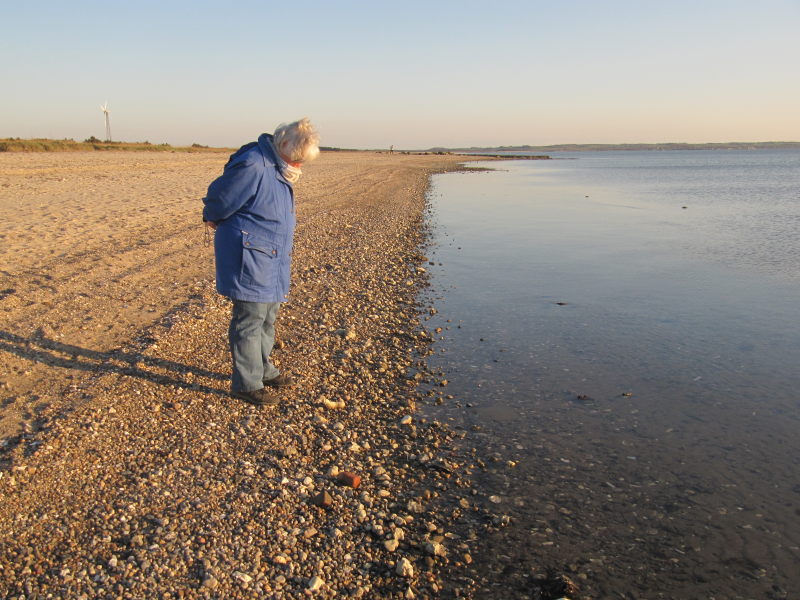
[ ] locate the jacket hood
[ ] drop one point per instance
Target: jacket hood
(265, 143)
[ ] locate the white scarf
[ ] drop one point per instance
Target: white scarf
(290, 172)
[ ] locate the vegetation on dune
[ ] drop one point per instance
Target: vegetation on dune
(92, 143)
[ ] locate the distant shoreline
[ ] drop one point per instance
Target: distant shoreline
(619, 147)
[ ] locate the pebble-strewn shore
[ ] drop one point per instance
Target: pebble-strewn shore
(143, 479)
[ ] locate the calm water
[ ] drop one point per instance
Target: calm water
(626, 327)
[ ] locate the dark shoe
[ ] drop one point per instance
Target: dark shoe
(280, 381)
(260, 397)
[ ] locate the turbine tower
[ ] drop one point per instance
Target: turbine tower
(105, 110)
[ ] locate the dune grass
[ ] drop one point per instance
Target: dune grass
(69, 145)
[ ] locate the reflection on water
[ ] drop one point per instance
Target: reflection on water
(638, 359)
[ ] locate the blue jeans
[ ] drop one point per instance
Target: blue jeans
(251, 336)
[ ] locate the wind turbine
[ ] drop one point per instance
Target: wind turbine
(105, 110)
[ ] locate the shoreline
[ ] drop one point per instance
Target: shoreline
(143, 477)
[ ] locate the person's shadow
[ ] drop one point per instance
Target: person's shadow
(129, 362)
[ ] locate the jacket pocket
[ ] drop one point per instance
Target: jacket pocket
(259, 262)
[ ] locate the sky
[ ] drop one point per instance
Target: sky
(413, 74)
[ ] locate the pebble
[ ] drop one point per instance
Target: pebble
(323, 499)
(404, 568)
(391, 545)
(349, 479)
(315, 583)
(333, 404)
(243, 577)
(435, 549)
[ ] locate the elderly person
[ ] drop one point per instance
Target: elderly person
(251, 208)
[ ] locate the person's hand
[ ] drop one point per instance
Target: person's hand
(210, 224)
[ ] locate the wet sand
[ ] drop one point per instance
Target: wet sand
(126, 470)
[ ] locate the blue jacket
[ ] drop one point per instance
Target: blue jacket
(253, 207)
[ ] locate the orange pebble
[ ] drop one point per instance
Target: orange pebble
(349, 479)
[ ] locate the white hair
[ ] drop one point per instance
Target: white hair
(298, 141)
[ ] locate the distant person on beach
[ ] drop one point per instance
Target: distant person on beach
(251, 208)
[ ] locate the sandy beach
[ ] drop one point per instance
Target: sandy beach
(128, 472)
